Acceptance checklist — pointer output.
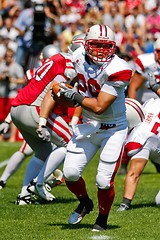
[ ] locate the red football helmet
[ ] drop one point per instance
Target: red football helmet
(100, 43)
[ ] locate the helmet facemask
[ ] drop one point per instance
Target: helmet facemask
(100, 51)
(157, 55)
(157, 50)
(100, 44)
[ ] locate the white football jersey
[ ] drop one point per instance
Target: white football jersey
(111, 77)
(148, 130)
(146, 63)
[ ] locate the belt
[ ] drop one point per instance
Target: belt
(107, 126)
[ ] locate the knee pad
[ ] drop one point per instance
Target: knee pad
(71, 174)
(102, 182)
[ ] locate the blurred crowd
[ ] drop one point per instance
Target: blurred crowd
(27, 26)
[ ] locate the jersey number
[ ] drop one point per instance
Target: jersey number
(156, 126)
(93, 86)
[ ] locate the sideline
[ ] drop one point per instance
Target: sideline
(4, 163)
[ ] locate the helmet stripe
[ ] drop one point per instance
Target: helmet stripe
(136, 107)
(103, 28)
(100, 30)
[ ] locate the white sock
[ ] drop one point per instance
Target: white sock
(32, 171)
(54, 160)
(13, 165)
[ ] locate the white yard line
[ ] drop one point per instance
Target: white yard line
(101, 237)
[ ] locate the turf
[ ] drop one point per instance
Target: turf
(49, 221)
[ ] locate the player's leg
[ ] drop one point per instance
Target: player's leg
(15, 162)
(60, 131)
(131, 181)
(76, 160)
(110, 155)
(53, 161)
(60, 135)
(124, 163)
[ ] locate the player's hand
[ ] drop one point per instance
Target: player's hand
(4, 127)
(71, 94)
(43, 133)
(153, 83)
(68, 92)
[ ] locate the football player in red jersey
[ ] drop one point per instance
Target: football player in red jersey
(57, 122)
(103, 78)
(25, 114)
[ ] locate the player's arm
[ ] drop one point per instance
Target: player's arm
(48, 102)
(47, 106)
(135, 83)
(154, 83)
(76, 116)
(97, 105)
(158, 92)
(100, 104)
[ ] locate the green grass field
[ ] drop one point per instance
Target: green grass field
(49, 221)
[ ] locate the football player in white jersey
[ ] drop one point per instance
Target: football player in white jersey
(145, 81)
(143, 143)
(154, 83)
(103, 77)
(139, 87)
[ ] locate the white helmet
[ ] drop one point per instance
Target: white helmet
(134, 112)
(100, 43)
(77, 41)
(48, 51)
(157, 50)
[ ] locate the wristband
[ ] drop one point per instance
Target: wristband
(42, 121)
(155, 87)
(78, 98)
(8, 119)
(74, 120)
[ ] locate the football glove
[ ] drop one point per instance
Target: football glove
(4, 127)
(43, 133)
(154, 85)
(71, 94)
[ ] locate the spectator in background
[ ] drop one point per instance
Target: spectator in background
(135, 18)
(66, 36)
(53, 11)
(122, 9)
(2, 48)
(120, 36)
(153, 21)
(92, 17)
(9, 31)
(24, 25)
(11, 80)
(149, 5)
(149, 43)
(113, 16)
(134, 45)
(76, 7)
